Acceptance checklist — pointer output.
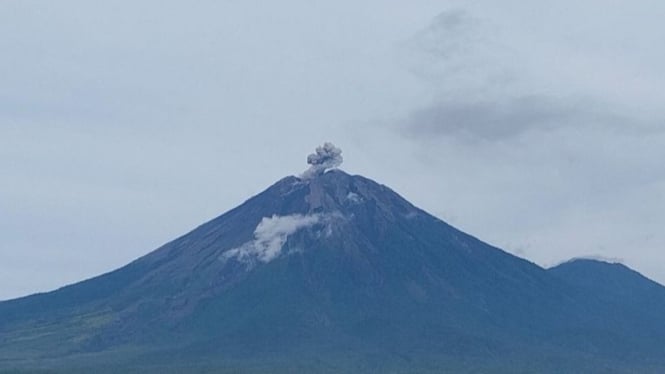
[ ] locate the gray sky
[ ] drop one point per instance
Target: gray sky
(536, 126)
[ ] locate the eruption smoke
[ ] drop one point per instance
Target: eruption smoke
(326, 157)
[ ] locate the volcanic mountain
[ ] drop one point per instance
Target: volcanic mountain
(335, 273)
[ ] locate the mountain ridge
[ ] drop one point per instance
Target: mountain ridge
(343, 271)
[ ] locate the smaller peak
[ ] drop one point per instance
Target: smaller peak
(591, 260)
(602, 273)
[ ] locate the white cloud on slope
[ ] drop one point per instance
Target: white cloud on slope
(270, 236)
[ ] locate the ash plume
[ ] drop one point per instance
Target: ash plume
(325, 157)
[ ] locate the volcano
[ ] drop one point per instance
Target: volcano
(335, 273)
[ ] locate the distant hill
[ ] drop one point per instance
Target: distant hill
(334, 273)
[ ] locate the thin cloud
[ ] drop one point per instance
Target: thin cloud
(506, 118)
(269, 238)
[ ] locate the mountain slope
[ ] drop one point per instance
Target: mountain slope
(329, 273)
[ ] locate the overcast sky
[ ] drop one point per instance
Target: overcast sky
(536, 126)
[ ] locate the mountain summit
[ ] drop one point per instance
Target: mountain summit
(330, 272)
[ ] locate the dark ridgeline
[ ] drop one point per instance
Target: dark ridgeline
(343, 276)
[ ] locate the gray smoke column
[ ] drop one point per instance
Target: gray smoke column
(326, 157)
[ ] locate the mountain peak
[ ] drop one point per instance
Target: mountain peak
(320, 208)
(330, 265)
(610, 276)
(591, 260)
